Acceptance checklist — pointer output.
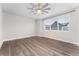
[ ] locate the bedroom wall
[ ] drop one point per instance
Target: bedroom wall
(15, 27)
(70, 36)
(1, 39)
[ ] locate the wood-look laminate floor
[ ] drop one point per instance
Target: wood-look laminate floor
(38, 46)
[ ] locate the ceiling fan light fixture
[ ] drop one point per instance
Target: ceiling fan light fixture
(39, 8)
(39, 11)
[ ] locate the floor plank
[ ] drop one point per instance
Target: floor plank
(38, 46)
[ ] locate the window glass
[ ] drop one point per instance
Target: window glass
(60, 23)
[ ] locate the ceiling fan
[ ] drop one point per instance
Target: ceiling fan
(39, 8)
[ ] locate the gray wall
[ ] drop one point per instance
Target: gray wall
(15, 27)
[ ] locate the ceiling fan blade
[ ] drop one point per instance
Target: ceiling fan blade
(45, 11)
(32, 4)
(47, 8)
(45, 5)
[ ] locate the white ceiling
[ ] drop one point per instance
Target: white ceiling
(21, 9)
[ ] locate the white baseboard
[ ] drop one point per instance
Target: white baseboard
(75, 43)
(35, 35)
(1, 44)
(18, 37)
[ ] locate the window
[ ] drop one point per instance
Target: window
(60, 23)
